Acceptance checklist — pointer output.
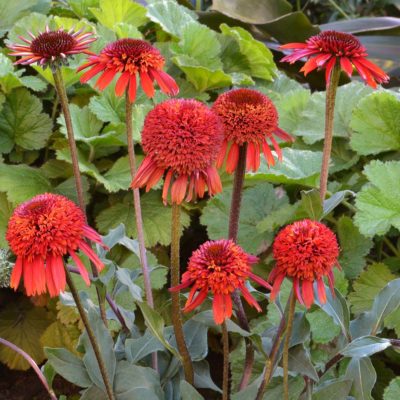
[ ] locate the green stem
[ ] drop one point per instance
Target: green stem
(62, 96)
(176, 308)
(91, 335)
(234, 216)
(341, 11)
(225, 344)
(285, 355)
(391, 246)
(329, 117)
(138, 213)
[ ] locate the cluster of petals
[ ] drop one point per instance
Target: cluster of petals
(43, 230)
(52, 47)
(330, 48)
(129, 58)
(306, 252)
(249, 118)
(219, 267)
(181, 138)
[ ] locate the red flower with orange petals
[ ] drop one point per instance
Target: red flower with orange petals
(130, 57)
(331, 48)
(52, 47)
(41, 232)
(305, 251)
(219, 267)
(250, 117)
(182, 138)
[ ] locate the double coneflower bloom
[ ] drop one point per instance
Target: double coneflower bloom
(331, 48)
(52, 47)
(306, 252)
(249, 117)
(41, 232)
(181, 138)
(130, 58)
(219, 267)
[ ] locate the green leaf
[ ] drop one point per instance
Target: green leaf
(376, 124)
(155, 322)
(258, 56)
(156, 217)
(120, 174)
(6, 210)
(57, 335)
(107, 107)
(23, 123)
(188, 392)
(23, 325)
(32, 22)
(312, 122)
(363, 374)
(333, 390)
(368, 285)
(323, 329)
(135, 382)
(111, 13)
(137, 349)
(257, 203)
(106, 345)
(68, 366)
(68, 189)
(30, 182)
(81, 7)
(171, 16)
(124, 277)
(12, 11)
(354, 247)
(201, 77)
(299, 362)
(378, 203)
(310, 205)
(392, 392)
(365, 346)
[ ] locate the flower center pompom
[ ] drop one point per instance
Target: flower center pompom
(48, 223)
(247, 115)
(306, 250)
(338, 44)
(182, 134)
(53, 44)
(219, 266)
(134, 55)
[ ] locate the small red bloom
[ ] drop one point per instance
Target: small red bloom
(305, 251)
(181, 137)
(329, 48)
(41, 232)
(248, 116)
(221, 267)
(130, 57)
(52, 47)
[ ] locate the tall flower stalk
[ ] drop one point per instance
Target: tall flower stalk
(250, 122)
(333, 51)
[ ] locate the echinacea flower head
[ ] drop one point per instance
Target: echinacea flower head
(219, 267)
(306, 252)
(52, 47)
(130, 58)
(182, 138)
(330, 48)
(248, 117)
(43, 230)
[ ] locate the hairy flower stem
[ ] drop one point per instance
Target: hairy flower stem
(225, 344)
(176, 308)
(32, 363)
(285, 355)
(63, 99)
(138, 213)
(233, 233)
(329, 117)
(91, 335)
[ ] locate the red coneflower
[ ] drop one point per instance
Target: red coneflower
(248, 116)
(305, 251)
(329, 48)
(181, 137)
(41, 232)
(52, 47)
(220, 267)
(130, 57)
